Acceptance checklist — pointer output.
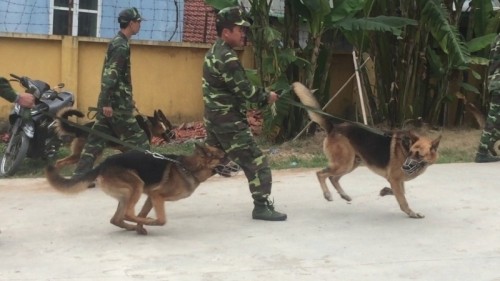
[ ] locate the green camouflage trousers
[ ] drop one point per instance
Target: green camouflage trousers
(241, 148)
(491, 132)
(124, 127)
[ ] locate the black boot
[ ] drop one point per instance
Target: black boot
(485, 157)
(264, 210)
(83, 166)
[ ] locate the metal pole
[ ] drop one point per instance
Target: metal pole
(360, 90)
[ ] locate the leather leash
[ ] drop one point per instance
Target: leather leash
(113, 139)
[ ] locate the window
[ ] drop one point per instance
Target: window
(75, 17)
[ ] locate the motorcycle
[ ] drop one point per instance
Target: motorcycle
(32, 131)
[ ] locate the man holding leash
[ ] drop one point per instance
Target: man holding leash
(115, 115)
(491, 131)
(23, 99)
(226, 93)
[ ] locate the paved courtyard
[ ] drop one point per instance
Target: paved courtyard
(46, 235)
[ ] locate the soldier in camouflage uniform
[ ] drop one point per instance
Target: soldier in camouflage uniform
(116, 106)
(227, 94)
(23, 99)
(491, 132)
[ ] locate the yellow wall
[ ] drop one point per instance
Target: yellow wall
(36, 58)
(165, 76)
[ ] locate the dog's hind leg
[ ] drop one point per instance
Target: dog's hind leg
(335, 182)
(398, 190)
(333, 173)
(322, 175)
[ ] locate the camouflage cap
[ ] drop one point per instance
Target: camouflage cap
(232, 15)
(130, 14)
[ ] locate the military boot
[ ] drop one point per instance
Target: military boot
(486, 157)
(83, 166)
(264, 210)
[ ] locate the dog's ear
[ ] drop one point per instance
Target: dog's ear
(203, 149)
(413, 137)
(144, 125)
(435, 143)
(164, 119)
(152, 120)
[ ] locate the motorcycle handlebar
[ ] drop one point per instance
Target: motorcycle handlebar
(15, 76)
(29, 85)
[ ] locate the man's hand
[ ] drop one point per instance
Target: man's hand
(26, 100)
(272, 97)
(107, 111)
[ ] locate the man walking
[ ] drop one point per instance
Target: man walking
(226, 93)
(115, 105)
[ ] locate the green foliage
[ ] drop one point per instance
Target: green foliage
(344, 9)
(221, 4)
(481, 43)
(436, 18)
(393, 25)
(421, 60)
(317, 11)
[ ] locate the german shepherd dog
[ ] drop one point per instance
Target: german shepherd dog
(125, 176)
(156, 126)
(398, 156)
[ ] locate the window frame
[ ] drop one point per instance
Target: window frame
(75, 13)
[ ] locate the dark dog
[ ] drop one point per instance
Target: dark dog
(156, 126)
(125, 176)
(398, 156)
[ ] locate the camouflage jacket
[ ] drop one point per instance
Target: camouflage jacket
(116, 80)
(227, 92)
(6, 90)
(494, 67)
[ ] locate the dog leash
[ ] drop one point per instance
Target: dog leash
(117, 112)
(114, 139)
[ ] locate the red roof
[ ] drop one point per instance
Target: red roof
(199, 22)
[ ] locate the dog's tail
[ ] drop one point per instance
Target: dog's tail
(71, 185)
(307, 98)
(64, 128)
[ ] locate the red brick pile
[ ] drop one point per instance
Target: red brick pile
(196, 130)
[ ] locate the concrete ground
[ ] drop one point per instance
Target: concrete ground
(46, 235)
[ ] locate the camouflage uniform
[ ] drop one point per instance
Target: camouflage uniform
(116, 92)
(6, 90)
(491, 132)
(227, 94)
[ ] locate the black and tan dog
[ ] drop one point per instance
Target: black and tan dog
(156, 126)
(398, 156)
(125, 176)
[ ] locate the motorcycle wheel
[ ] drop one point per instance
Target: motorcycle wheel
(14, 154)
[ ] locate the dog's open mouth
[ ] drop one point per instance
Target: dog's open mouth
(410, 166)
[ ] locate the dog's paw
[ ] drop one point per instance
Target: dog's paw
(414, 215)
(141, 230)
(386, 191)
(328, 196)
(346, 197)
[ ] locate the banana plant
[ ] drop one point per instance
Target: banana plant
(221, 4)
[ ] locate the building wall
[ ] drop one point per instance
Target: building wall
(165, 76)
